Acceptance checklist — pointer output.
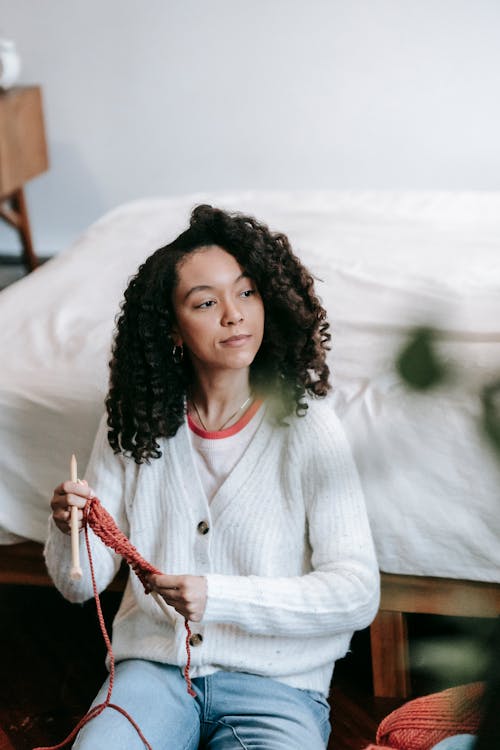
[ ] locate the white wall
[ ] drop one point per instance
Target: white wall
(160, 97)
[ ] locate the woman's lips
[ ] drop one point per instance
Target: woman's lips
(236, 340)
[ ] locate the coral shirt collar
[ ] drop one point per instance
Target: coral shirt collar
(218, 434)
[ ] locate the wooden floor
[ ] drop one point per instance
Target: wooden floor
(52, 658)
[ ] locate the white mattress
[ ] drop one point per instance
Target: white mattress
(386, 261)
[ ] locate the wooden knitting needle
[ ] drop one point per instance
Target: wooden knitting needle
(76, 571)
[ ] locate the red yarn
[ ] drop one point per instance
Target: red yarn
(423, 722)
(104, 526)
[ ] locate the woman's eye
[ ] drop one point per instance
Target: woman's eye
(247, 293)
(205, 305)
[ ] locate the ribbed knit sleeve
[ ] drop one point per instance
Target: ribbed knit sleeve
(105, 474)
(341, 593)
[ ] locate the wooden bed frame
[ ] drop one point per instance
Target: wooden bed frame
(404, 594)
(23, 564)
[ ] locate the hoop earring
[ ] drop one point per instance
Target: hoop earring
(178, 354)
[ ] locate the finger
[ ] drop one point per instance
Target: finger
(64, 516)
(86, 484)
(166, 582)
(77, 500)
(179, 607)
(76, 488)
(64, 529)
(58, 503)
(171, 597)
(65, 526)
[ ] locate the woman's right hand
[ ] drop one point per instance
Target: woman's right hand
(65, 496)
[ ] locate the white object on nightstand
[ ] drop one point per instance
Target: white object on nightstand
(10, 63)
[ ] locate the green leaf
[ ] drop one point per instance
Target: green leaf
(490, 398)
(418, 364)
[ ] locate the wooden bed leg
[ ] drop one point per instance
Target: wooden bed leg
(390, 655)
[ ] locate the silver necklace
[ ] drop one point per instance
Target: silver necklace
(250, 397)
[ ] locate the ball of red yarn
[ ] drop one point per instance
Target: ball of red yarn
(423, 722)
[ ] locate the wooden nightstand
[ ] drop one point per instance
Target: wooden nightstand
(23, 155)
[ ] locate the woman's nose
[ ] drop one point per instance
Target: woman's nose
(231, 314)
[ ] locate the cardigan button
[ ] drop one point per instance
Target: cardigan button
(196, 639)
(203, 527)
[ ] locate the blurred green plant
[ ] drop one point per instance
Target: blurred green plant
(418, 363)
(490, 398)
(420, 367)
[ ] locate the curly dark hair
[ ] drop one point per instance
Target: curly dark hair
(147, 388)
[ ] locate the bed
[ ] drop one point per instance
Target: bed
(384, 262)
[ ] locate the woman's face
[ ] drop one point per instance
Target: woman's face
(219, 311)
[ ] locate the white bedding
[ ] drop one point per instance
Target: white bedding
(386, 261)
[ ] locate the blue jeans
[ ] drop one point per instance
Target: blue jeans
(456, 742)
(231, 710)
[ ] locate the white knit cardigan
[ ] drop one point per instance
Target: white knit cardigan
(289, 559)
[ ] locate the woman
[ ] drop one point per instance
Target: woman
(227, 471)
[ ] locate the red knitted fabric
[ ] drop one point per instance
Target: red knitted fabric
(422, 722)
(104, 526)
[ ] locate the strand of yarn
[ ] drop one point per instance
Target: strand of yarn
(104, 526)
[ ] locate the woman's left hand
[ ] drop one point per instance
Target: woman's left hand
(186, 594)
